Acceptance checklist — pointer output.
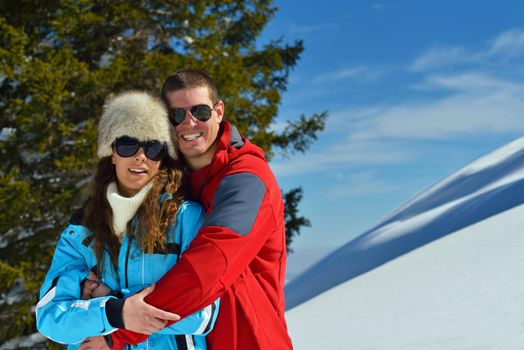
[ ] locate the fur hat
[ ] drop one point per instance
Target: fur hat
(136, 114)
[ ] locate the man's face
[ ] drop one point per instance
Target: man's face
(196, 139)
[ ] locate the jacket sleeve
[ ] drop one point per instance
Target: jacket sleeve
(240, 222)
(189, 221)
(199, 323)
(60, 313)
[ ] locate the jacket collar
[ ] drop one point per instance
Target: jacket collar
(230, 145)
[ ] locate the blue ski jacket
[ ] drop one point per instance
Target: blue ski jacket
(64, 318)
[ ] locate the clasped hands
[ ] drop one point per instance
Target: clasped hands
(138, 316)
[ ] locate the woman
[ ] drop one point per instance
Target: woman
(131, 232)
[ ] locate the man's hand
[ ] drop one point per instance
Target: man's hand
(143, 318)
(94, 343)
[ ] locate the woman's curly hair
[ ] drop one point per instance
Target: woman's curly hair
(153, 216)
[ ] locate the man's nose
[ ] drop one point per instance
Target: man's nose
(188, 118)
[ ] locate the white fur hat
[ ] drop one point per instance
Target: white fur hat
(135, 114)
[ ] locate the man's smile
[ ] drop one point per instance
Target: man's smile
(191, 137)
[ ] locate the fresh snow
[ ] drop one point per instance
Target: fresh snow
(7, 133)
(33, 341)
(484, 188)
(443, 271)
(464, 291)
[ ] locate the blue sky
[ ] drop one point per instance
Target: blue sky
(415, 89)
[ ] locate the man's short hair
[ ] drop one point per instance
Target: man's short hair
(187, 79)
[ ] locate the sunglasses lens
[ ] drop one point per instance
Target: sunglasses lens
(201, 112)
(126, 146)
(176, 115)
(155, 150)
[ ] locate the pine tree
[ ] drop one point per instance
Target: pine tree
(59, 60)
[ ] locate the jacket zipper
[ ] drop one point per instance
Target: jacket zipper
(128, 347)
(127, 259)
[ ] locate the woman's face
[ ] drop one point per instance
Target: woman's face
(134, 172)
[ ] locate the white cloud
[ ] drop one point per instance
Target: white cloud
(479, 105)
(509, 44)
(466, 82)
(312, 29)
(475, 104)
(341, 155)
(361, 183)
(473, 101)
(506, 45)
(441, 57)
(378, 7)
(361, 73)
(339, 75)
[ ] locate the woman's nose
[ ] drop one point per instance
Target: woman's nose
(140, 154)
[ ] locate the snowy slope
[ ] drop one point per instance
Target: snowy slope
(464, 291)
(486, 187)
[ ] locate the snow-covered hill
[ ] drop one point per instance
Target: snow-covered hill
(488, 186)
(465, 290)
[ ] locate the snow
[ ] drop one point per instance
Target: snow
(442, 271)
(7, 133)
(495, 160)
(106, 60)
(484, 188)
(15, 294)
(464, 291)
(30, 341)
(32, 157)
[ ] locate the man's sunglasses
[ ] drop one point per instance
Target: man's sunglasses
(126, 146)
(200, 112)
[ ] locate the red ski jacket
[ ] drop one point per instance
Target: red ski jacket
(239, 254)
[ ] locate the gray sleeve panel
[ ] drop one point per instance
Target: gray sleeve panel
(236, 203)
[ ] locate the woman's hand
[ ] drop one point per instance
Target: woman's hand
(93, 288)
(94, 343)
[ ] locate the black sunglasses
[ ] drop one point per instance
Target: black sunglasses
(126, 146)
(200, 112)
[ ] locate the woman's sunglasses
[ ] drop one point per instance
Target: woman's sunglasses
(200, 112)
(126, 146)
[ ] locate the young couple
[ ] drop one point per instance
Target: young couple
(143, 265)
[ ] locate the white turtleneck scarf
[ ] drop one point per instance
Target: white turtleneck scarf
(124, 208)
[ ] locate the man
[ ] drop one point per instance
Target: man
(239, 254)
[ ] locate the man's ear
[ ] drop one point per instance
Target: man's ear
(219, 108)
